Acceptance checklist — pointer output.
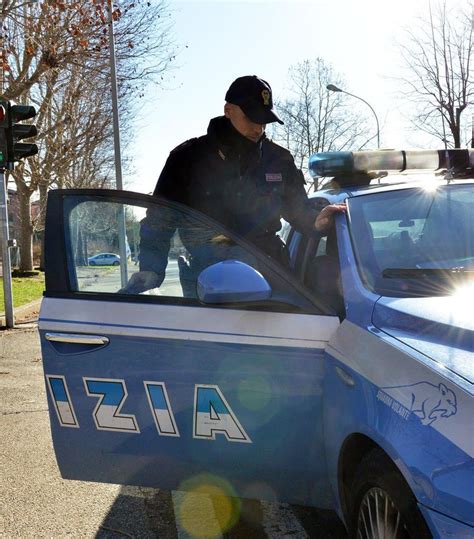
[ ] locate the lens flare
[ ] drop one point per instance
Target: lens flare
(255, 393)
(208, 508)
(464, 296)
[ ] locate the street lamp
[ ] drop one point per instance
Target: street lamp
(333, 88)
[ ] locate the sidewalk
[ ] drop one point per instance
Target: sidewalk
(34, 501)
(24, 313)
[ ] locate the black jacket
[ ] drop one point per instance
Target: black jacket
(244, 185)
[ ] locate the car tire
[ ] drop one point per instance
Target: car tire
(380, 489)
(116, 263)
(91, 263)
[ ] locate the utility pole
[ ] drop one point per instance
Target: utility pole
(472, 131)
(118, 158)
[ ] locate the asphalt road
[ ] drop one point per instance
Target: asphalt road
(36, 502)
(107, 278)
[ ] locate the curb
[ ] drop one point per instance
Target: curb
(28, 312)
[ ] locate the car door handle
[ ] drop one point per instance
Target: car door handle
(74, 338)
(345, 377)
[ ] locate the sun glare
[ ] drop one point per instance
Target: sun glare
(430, 185)
(463, 295)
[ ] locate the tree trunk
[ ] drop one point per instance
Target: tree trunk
(25, 241)
(457, 128)
(43, 192)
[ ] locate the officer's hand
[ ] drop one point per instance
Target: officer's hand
(325, 219)
(140, 282)
(220, 239)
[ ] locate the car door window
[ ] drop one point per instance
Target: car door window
(322, 272)
(168, 247)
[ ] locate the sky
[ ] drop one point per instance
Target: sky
(221, 40)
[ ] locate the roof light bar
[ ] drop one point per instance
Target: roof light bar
(347, 163)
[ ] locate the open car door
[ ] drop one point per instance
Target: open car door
(156, 388)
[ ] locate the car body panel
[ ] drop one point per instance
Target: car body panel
(438, 327)
(395, 401)
(443, 527)
(268, 370)
(386, 372)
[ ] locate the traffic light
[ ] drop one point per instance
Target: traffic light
(18, 150)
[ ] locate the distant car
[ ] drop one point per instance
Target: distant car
(104, 259)
(346, 383)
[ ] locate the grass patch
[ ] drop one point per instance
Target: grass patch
(25, 290)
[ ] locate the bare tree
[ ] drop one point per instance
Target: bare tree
(55, 54)
(74, 135)
(57, 34)
(438, 54)
(74, 140)
(317, 120)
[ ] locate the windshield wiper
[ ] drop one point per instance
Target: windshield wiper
(427, 273)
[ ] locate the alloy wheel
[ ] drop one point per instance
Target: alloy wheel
(379, 517)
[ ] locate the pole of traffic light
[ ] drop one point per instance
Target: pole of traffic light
(6, 263)
(4, 234)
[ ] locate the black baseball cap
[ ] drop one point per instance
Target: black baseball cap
(254, 97)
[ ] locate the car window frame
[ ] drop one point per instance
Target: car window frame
(379, 289)
(310, 248)
(58, 281)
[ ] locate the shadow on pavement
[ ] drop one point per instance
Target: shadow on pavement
(144, 513)
(141, 514)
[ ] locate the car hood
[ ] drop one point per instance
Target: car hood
(441, 328)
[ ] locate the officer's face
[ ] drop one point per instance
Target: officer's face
(244, 125)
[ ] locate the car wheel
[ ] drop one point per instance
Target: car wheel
(116, 263)
(382, 503)
(91, 263)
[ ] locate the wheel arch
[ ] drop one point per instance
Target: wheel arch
(352, 457)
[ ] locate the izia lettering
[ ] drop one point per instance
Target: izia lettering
(61, 401)
(161, 409)
(213, 415)
(112, 395)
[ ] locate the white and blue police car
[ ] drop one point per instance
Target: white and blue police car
(345, 383)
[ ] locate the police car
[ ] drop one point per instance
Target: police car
(345, 384)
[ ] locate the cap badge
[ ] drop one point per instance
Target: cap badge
(266, 97)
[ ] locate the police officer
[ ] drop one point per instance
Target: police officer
(239, 177)
(236, 175)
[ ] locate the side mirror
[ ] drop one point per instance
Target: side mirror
(232, 281)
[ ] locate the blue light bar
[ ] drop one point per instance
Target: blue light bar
(353, 163)
(331, 163)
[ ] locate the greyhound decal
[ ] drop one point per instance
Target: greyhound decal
(428, 401)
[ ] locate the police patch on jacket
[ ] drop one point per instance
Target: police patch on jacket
(273, 177)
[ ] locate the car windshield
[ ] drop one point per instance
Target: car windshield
(414, 242)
